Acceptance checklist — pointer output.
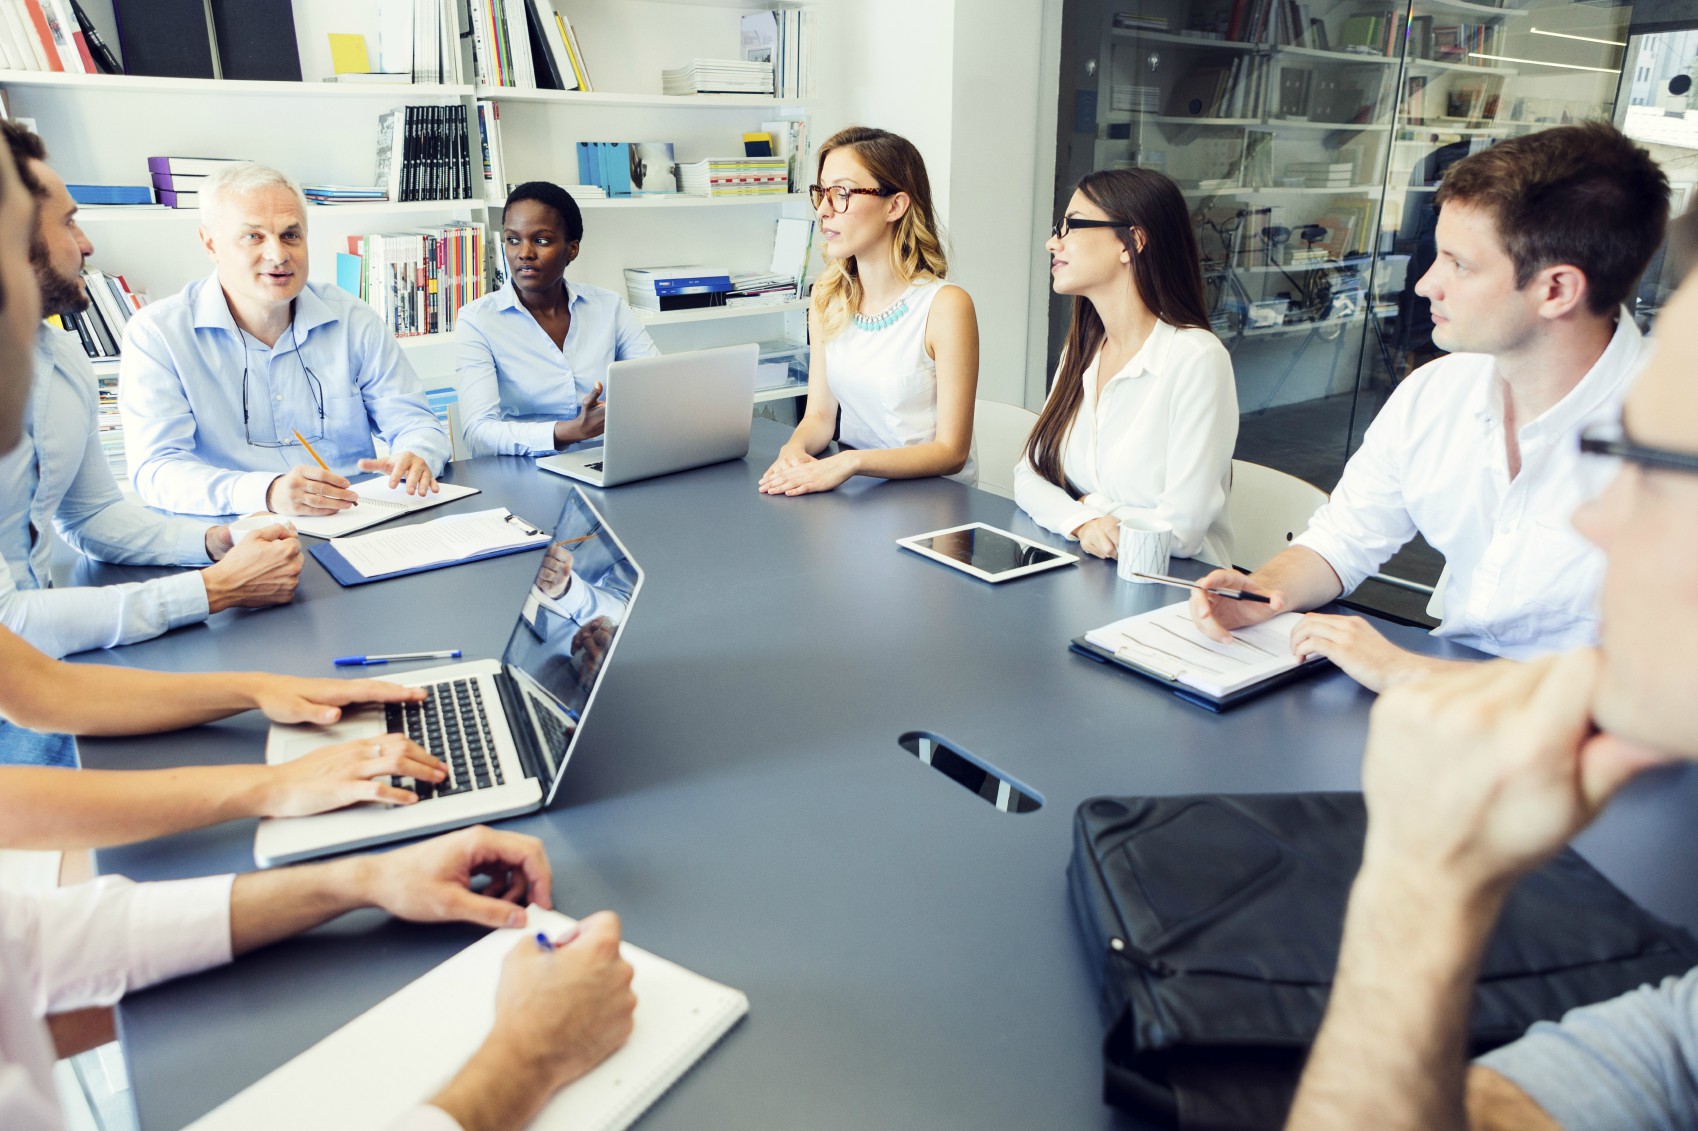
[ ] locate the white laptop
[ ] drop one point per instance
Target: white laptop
(669, 413)
(505, 727)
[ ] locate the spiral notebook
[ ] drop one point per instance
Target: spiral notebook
(379, 502)
(402, 1051)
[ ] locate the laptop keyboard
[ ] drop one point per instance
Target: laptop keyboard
(554, 731)
(453, 725)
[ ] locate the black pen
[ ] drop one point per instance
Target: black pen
(1233, 594)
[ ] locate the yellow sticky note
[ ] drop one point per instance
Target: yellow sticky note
(348, 54)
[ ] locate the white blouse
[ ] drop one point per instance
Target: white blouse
(1158, 443)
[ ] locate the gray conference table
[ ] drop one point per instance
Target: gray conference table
(740, 798)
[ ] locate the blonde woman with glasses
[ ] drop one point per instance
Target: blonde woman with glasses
(895, 348)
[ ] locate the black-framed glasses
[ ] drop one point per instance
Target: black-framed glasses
(1611, 440)
(313, 385)
(840, 194)
(1061, 227)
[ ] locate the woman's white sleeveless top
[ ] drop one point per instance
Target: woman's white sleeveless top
(884, 380)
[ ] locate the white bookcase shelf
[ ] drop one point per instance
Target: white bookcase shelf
(719, 313)
(149, 84)
(647, 101)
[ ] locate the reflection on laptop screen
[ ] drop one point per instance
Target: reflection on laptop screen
(575, 607)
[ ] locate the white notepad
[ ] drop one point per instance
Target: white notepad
(378, 503)
(403, 1050)
(1166, 642)
(456, 538)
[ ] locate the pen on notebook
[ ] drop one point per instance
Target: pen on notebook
(1233, 594)
(316, 458)
(575, 541)
(551, 945)
(358, 661)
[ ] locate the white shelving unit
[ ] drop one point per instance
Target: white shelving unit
(101, 128)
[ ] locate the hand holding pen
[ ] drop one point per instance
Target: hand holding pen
(1225, 599)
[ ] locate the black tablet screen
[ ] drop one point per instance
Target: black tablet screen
(986, 550)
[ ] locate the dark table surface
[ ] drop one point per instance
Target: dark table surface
(739, 796)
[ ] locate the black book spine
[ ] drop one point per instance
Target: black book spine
(90, 346)
(102, 54)
(410, 150)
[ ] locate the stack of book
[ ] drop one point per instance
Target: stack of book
(759, 288)
(718, 76)
(52, 35)
(735, 176)
(1132, 98)
(690, 287)
(1137, 21)
(782, 37)
(526, 44)
(343, 194)
(100, 328)
(1322, 174)
(177, 181)
(416, 280)
(424, 153)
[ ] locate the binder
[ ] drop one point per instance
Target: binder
(166, 37)
(489, 530)
(256, 40)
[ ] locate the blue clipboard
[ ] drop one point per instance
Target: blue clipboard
(346, 575)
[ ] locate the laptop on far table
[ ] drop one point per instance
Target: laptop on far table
(669, 413)
(506, 727)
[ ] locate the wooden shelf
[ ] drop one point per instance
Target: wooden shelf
(103, 212)
(1186, 40)
(716, 313)
(1339, 56)
(682, 200)
(661, 101)
(151, 84)
(783, 392)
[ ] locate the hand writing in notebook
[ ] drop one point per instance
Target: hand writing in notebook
(309, 489)
(558, 1014)
(404, 467)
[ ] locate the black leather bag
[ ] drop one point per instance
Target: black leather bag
(1213, 925)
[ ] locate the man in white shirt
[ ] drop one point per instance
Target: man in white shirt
(558, 1013)
(225, 386)
(59, 474)
(1540, 241)
(1475, 778)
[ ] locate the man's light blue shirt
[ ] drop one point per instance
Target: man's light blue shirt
(58, 478)
(180, 393)
(515, 382)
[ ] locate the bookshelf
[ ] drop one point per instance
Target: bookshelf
(101, 128)
(1279, 118)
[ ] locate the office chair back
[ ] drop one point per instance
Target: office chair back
(1268, 509)
(999, 434)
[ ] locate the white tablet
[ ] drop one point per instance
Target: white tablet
(986, 552)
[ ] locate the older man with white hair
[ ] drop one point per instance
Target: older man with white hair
(222, 382)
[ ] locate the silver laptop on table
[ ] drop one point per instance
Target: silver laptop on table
(669, 413)
(506, 728)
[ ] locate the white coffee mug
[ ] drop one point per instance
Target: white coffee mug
(1145, 544)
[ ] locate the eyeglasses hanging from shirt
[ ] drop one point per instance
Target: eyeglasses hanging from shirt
(313, 385)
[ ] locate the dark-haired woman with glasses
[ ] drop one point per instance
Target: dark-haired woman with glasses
(895, 348)
(1143, 415)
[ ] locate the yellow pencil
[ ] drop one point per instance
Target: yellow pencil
(575, 541)
(310, 452)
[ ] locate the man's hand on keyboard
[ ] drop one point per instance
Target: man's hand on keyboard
(289, 699)
(432, 882)
(340, 775)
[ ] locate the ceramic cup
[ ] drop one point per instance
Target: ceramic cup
(1145, 544)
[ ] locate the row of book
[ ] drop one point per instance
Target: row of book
(52, 35)
(100, 328)
(417, 280)
(783, 37)
(1452, 43)
(425, 153)
(735, 176)
(526, 44)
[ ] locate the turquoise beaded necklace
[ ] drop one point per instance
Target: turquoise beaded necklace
(888, 316)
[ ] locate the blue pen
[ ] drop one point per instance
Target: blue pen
(361, 661)
(550, 945)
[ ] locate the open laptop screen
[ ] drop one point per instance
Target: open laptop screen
(574, 610)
